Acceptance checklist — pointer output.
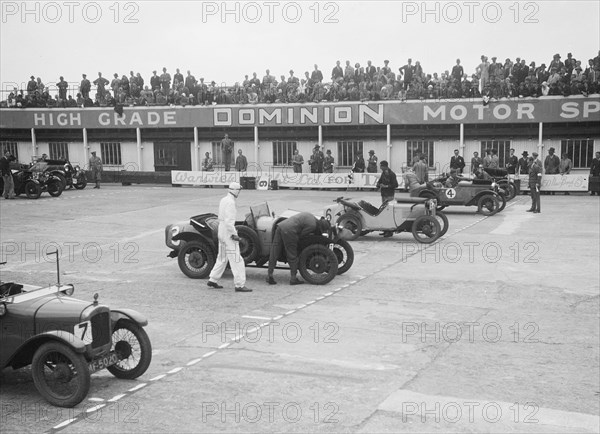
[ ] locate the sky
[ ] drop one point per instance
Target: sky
(223, 41)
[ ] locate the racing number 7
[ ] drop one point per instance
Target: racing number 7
(83, 331)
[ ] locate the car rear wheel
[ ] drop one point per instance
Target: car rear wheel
(55, 188)
(132, 345)
(510, 188)
(196, 259)
(33, 190)
(344, 254)
(352, 223)
(60, 374)
(317, 264)
(61, 179)
(443, 221)
(488, 205)
(503, 200)
(426, 229)
(249, 244)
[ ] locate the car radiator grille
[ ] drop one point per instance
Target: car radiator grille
(100, 329)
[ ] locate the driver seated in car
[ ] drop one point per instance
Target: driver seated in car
(482, 174)
(453, 179)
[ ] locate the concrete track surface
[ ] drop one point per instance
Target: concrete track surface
(494, 328)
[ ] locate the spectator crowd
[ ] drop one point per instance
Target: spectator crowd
(490, 81)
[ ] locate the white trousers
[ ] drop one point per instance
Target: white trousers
(229, 251)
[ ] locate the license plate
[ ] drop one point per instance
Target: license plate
(103, 362)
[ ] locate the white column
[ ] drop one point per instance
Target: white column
(256, 146)
(462, 140)
(86, 153)
(196, 165)
(540, 140)
(388, 154)
(320, 130)
(138, 135)
(33, 143)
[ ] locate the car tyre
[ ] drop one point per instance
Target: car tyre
(249, 243)
(55, 188)
(33, 190)
(60, 374)
(81, 184)
(62, 179)
(344, 254)
(132, 344)
(317, 264)
(502, 202)
(443, 221)
(426, 229)
(352, 223)
(488, 205)
(510, 188)
(196, 259)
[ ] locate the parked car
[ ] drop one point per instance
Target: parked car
(72, 176)
(486, 195)
(65, 340)
(195, 245)
(415, 215)
(52, 182)
(33, 183)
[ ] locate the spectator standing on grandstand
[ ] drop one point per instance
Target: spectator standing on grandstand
(190, 83)
(556, 63)
(524, 164)
(348, 72)
(511, 163)
(328, 163)
(177, 78)
(595, 171)
(241, 162)
(476, 162)
(483, 73)
(84, 87)
(40, 87)
(337, 71)
(317, 76)
(165, 81)
(372, 162)
(227, 149)
(407, 71)
(96, 168)
(100, 83)
(421, 170)
(370, 71)
(297, 161)
(155, 82)
(457, 162)
(115, 84)
(316, 160)
(31, 86)
(62, 88)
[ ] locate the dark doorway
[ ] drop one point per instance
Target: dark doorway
(172, 156)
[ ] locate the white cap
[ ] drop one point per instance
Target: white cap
(235, 186)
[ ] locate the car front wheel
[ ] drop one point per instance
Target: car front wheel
(81, 182)
(426, 229)
(60, 374)
(344, 254)
(317, 264)
(488, 205)
(33, 190)
(196, 259)
(55, 188)
(443, 221)
(132, 345)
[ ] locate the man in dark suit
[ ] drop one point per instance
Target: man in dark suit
(595, 171)
(457, 162)
(370, 70)
(408, 71)
(511, 163)
(337, 71)
(317, 76)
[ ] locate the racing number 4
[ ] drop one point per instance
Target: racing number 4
(83, 331)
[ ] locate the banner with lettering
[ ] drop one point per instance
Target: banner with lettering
(559, 182)
(467, 111)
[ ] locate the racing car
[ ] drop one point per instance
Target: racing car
(416, 215)
(195, 245)
(65, 340)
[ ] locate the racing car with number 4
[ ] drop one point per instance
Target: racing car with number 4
(65, 340)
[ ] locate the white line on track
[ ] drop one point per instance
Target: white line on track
(256, 317)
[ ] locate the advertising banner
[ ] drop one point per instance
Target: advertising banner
(559, 182)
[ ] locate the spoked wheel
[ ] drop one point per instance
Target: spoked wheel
(488, 205)
(81, 182)
(196, 259)
(60, 374)
(317, 264)
(443, 221)
(426, 229)
(503, 200)
(352, 223)
(132, 345)
(510, 188)
(345, 255)
(33, 190)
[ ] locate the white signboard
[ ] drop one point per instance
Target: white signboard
(559, 182)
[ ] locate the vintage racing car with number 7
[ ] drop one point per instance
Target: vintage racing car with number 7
(65, 340)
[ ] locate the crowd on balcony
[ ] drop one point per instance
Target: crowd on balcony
(490, 81)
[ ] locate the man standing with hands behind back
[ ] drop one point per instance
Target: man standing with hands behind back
(229, 248)
(96, 168)
(535, 182)
(227, 148)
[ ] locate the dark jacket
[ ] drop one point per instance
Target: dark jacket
(299, 225)
(5, 165)
(595, 169)
(388, 182)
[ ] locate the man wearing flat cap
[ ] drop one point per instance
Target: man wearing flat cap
(84, 87)
(551, 164)
(31, 86)
(372, 162)
(535, 182)
(523, 164)
(96, 168)
(316, 160)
